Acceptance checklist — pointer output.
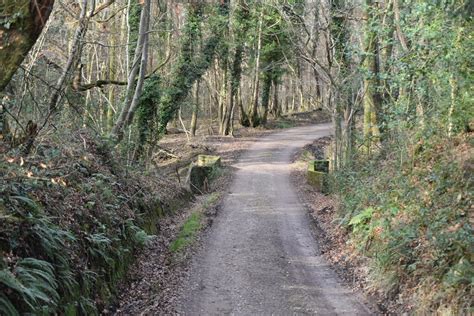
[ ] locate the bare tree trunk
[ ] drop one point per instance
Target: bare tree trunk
(111, 98)
(301, 103)
(194, 116)
(223, 98)
(113, 70)
(143, 69)
(180, 118)
(226, 109)
(74, 55)
(218, 87)
(139, 65)
(293, 97)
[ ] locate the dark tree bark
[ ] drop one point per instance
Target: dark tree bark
(25, 20)
(267, 84)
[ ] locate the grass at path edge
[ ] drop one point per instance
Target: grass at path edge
(193, 224)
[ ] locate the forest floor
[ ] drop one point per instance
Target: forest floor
(281, 271)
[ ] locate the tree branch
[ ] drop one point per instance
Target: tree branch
(104, 82)
(102, 7)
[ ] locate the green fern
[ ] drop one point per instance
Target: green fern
(6, 307)
(87, 281)
(29, 203)
(34, 282)
(137, 235)
(67, 281)
(86, 306)
(53, 240)
(361, 220)
(99, 248)
(54, 285)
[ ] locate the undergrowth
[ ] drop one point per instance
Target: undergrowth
(69, 227)
(409, 209)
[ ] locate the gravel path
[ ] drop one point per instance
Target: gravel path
(260, 256)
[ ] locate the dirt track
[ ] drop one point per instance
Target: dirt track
(260, 255)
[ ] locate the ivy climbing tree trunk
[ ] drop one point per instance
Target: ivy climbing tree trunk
(253, 114)
(146, 117)
(372, 96)
(276, 108)
(267, 85)
(242, 15)
(191, 68)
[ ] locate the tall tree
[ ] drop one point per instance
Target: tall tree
(87, 12)
(191, 67)
(240, 27)
(139, 66)
(372, 96)
(253, 111)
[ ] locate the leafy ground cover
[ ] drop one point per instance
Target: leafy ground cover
(72, 219)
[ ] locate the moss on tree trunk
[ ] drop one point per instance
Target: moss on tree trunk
(21, 24)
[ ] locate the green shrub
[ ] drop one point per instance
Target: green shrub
(408, 213)
(56, 279)
(34, 287)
